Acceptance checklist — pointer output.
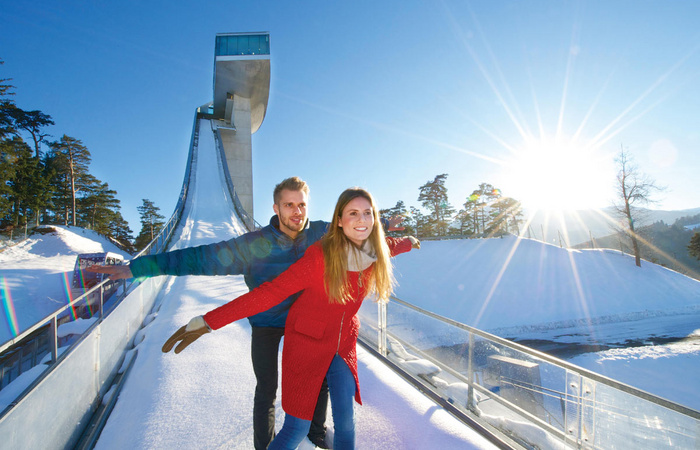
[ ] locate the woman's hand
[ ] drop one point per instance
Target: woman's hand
(186, 335)
(415, 243)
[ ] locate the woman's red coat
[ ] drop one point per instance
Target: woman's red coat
(315, 329)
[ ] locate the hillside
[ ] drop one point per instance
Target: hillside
(660, 243)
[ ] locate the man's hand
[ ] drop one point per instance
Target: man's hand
(394, 223)
(186, 335)
(117, 272)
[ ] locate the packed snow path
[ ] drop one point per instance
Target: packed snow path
(203, 397)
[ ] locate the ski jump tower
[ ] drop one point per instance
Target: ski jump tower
(241, 91)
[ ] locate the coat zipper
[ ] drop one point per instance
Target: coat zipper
(340, 334)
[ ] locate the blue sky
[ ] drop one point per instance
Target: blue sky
(533, 97)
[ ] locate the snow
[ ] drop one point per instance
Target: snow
(513, 287)
(511, 284)
(76, 327)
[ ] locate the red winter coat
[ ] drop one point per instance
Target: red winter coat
(315, 330)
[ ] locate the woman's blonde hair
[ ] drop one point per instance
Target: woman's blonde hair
(335, 251)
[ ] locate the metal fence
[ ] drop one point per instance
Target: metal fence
(524, 396)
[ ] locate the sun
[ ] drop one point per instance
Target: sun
(559, 174)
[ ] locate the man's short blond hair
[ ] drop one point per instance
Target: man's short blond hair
(290, 184)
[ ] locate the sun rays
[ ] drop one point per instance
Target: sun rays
(556, 173)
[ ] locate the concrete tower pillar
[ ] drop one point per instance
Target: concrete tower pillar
(238, 143)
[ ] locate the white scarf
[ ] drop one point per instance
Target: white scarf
(360, 258)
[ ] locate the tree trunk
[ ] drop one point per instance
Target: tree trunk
(72, 187)
(637, 256)
(633, 236)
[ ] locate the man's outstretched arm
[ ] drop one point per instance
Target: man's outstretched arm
(115, 272)
(222, 258)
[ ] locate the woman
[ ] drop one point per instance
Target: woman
(336, 274)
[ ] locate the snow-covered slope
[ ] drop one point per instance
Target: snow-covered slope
(512, 285)
(35, 274)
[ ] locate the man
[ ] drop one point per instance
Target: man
(259, 256)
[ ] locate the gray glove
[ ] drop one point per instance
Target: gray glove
(186, 335)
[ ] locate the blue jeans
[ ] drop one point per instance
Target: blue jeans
(341, 386)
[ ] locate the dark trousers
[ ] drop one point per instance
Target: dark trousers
(264, 353)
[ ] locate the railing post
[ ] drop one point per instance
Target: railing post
(381, 325)
(53, 338)
(102, 300)
(470, 373)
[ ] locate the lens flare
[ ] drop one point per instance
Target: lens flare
(9, 307)
(69, 294)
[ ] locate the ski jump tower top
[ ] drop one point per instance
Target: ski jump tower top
(241, 91)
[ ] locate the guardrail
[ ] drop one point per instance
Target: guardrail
(521, 396)
(250, 223)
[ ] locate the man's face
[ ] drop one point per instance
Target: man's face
(291, 210)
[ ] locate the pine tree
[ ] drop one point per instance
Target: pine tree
(151, 222)
(6, 107)
(433, 196)
(10, 151)
(694, 246)
(71, 162)
(30, 189)
(420, 223)
(466, 222)
(32, 122)
(506, 216)
(96, 204)
(119, 231)
(477, 206)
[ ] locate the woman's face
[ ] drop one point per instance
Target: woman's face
(357, 220)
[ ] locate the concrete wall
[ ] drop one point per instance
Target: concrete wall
(55, 412)
(238, 146)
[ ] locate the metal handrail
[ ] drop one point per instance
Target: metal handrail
(478, 382)
(248, 221)
(556, 361)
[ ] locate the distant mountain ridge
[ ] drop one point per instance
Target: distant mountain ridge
(576, 227)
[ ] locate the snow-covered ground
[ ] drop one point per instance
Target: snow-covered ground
(517, 288)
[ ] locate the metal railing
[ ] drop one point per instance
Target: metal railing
(529, 398)
(250, 223)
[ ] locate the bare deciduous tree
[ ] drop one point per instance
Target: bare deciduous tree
(634, 188)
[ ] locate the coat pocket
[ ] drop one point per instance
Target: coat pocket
(310, 327)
